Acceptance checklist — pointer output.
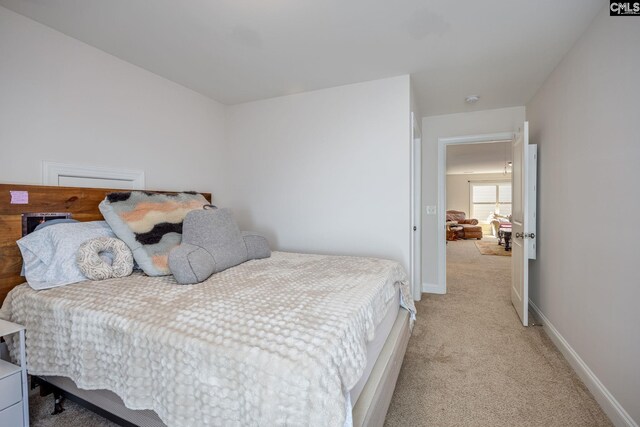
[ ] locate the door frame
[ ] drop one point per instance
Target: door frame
(443, 142)
(415, 238)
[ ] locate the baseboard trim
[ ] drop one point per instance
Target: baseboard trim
(616, 413)
(431, 288)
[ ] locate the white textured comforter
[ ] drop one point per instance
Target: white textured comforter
(277, 341)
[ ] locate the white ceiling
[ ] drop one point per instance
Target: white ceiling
(478, 158)
(243, 50)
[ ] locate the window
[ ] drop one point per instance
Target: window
(67, 175)
(490, 197)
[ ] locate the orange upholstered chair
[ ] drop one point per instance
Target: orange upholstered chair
(470, 227)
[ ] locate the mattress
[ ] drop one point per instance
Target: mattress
(110, 402)
(374, 347)
(276, 339)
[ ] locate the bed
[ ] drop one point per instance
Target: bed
(294, 339)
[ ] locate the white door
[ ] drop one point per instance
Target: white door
(416, 202)
(523, 220)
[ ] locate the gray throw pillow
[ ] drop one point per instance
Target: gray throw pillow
(212, 242)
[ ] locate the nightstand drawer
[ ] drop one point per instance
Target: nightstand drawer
(10, 391)
(12, 416)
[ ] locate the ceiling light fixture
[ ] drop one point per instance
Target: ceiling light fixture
(472, 99)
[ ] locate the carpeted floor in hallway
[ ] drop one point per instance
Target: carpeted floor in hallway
(471, 363)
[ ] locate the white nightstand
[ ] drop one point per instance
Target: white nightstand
(14, 397)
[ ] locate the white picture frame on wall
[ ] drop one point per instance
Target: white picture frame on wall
(70, 175)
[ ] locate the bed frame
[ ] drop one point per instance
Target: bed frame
(82, 204)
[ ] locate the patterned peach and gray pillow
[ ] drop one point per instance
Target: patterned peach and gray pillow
(150, 224)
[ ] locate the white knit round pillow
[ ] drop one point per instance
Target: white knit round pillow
(95, 268)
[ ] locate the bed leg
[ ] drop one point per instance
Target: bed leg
(58, 402)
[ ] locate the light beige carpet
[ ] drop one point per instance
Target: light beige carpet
(40, 409)
(491, 247)
(471, 363)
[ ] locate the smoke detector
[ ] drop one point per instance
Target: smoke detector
(472, 99)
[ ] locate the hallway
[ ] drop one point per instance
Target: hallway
(471, 363)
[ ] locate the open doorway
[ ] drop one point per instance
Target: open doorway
(478, 201)
(474, 188)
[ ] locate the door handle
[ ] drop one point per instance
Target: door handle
(525, 235)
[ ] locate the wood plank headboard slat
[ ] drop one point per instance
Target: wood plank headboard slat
(81, 202)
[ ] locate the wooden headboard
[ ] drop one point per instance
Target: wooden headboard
(82, 203)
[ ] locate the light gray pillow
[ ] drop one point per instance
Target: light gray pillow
(49, 224)
(49, 254)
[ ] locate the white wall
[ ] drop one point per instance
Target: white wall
(62, 100)
(585, 280)
(458, 189)
(324, 171)
(449, 125)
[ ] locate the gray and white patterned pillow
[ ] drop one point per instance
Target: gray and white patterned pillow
(94, 267)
